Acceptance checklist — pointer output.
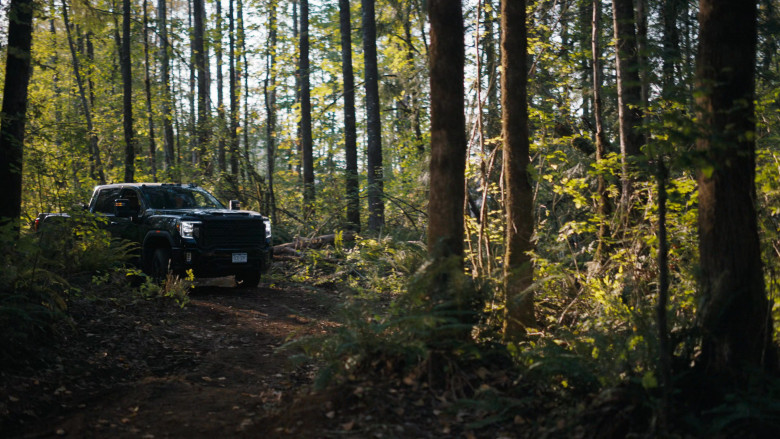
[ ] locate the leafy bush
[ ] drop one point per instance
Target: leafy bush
(42, 271)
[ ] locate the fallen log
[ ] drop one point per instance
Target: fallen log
(299, 243)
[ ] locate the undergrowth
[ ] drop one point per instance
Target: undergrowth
(66, 260)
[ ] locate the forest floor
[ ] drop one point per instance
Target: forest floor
(130, 367)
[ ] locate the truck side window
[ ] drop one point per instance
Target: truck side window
(105, 200)
(132, 198)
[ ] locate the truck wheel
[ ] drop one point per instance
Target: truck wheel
(161, 262)
(248, 279)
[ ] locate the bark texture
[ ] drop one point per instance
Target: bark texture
(376, 206)
(448, 129)
(305, 124)
(734, 312)
(127, 96)
(14, 110)
(629, 90)
(518, 195)
(350, 123)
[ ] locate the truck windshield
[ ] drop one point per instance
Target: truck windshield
(178, 197)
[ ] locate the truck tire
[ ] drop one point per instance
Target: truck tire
(161, 262)
(248, 279)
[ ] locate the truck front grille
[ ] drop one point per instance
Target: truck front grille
(230, 232)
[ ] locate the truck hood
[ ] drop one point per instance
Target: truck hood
(209, 213)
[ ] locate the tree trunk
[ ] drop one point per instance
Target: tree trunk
(734, 315)
(85, 104)
(518, 195)
(221, 144)
(603, 210)
(376, 206)
(233, 92)
(269, 89)
(193, 134)
(671, 55)
(14, 111)
(243, 73)
(127, 94)
(493, 119)
(165, 74)
(448, 129)
(350, 124)
(629, 91)
(305, 124)
(148, 89)
(204, 86)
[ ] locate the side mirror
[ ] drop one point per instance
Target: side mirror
(234, 205)
(122, 208)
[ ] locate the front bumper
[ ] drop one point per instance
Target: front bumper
(218, 262)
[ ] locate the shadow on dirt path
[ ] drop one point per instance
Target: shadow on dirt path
(147, 369)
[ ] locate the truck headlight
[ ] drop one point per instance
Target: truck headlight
(189, 229)
(267, 223)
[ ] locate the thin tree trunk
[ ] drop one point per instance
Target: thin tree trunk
(629, 92)
(518, 194)
(14, 111)
(448, 129)
(305, 124)
(244, 74)
(221, 144)
(642, 61)
(269, 89)
(604, 208)
(167, 113)
(350, 121)
(493, 119)
(671, 55)
(204, 84)
(193, 138)
(374, 171)
(734, 314)
(93, 140)
(148, 88)
(127, 94)
(233, 128)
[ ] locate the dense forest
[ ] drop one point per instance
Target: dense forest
(583, 192)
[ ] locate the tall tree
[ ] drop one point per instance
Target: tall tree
(269, 88)
(244, 73)
(86, 104)
(221, 116)
(518, 195)
(493, 116)
(233, 92)
(670, 46)
(629, 90)
(148, 90)
(204, 84)
(448, 129)
(305, 123)
(603, 209)
(734, 314)
(165, 77)
(127, 93)
(14, 111)
(350, 125)
(376, 206)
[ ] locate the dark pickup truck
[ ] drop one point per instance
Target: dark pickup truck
(181, 227)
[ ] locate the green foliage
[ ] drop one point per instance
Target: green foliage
(42, 271)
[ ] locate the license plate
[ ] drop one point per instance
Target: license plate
(239, 258)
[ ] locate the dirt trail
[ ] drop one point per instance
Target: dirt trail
(144, 369)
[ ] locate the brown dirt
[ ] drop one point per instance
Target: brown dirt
(137, 368)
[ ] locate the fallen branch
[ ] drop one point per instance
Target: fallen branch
(291, 248)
